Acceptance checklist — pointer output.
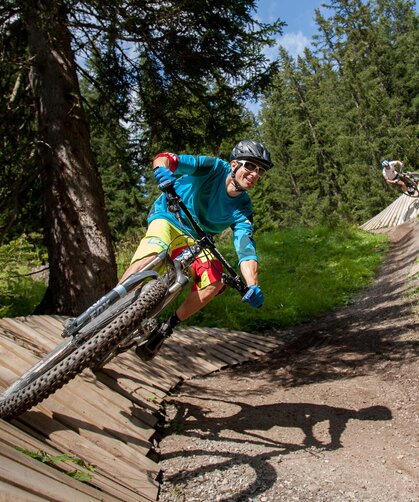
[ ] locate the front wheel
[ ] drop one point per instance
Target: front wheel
(46, 383)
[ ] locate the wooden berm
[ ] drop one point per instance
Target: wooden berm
(106, 419)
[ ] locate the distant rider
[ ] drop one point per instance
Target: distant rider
(392, 176)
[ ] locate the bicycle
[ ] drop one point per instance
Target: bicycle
(411, 180)
(123, 318)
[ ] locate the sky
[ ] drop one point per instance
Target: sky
(300, 28)
(299, 17)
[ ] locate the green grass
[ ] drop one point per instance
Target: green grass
(303, 274)
(20, 293)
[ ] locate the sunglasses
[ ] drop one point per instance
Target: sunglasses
(252, 168)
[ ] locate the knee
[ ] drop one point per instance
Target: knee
(212, 290)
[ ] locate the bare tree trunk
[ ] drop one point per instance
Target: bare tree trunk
(81, 258)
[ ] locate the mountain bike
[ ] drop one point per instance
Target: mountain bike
(123, 318)
(411, 180)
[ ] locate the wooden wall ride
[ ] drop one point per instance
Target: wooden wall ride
(403, 209)
(108, 420)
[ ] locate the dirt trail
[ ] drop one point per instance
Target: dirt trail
(333, 416)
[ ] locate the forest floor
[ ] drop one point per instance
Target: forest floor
(330, 416)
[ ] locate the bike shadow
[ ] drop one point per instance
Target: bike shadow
(247, 427)
(303, 416)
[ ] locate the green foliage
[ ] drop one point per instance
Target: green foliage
(330, 117)
(179, 89)
(20, 200)
(303, 274)
(53, 460)
(19, 292)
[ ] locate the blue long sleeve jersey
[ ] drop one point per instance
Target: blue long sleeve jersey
(201, 183)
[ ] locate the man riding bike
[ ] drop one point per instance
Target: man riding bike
(215, 192)
(393, 177)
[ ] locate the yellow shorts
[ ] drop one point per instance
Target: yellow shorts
(162, 235)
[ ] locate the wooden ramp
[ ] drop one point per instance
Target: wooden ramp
(108, 419)
(403, 209)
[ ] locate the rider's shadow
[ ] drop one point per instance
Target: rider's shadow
(304, 416)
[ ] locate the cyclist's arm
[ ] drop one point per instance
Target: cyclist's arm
(246, 249)
(249, 270)
(184, 164)
(396, 164)
(169, 160)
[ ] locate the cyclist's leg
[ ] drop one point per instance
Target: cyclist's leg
(158, 238)
(207, 285)
(400, 182)
(206, 272)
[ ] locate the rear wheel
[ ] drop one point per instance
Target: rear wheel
(64, 369)
(412, 183)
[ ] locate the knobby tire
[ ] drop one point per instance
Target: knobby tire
(92, 349)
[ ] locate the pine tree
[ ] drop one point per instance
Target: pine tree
(207, 51)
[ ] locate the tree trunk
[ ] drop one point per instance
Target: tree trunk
(81, 258)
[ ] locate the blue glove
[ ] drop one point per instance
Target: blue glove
(254, 296)
(164, 177)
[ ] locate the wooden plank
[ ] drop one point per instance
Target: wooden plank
(10, 493)
(221, 350)
(58, 320)
(21, 329)
(46, 329)
(48, 320)
(147, 419)
(142, 378)
(117, 435)
(127, 479)
(126, 391)
(88, 402)
(138, 461)
(11, 341)
(247, 345)
(153, 376)
(108, 418)
(27, 473)
(207, 362)
(187, 363)
(231, 346)
(19, 434)
(261, 342)
(16, 438)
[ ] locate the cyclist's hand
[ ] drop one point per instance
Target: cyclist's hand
(164, 177)
(254, 296)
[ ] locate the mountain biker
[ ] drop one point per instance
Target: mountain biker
(393, 177)
(215, 191)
